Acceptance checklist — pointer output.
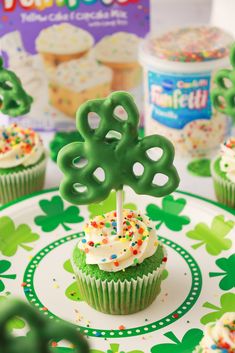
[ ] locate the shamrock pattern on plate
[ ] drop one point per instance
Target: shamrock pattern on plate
(72, 290)
(227, 265)
(227, 304)
(4, 267)
(169, 214)
(216, 294)
(13, 237)
(214, 237)
(190, 340)
(56, 214)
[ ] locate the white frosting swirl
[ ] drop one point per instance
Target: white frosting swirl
(227, 163)
(220, 336)
(112, 252)
(19, 146)
(121, 47)
(64, 39)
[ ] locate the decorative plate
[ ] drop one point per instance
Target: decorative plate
(39, 232)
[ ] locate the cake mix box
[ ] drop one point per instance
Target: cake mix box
(68, 51)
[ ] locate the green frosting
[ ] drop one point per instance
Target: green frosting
(218, 170)
(19, 168)
(14, 101)
(42, 331)
(147, 266)
(115, 156)
(200, 167)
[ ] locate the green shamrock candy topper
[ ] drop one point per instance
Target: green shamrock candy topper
(14, 101)
(222, 95)
(42, 332)
(115, 156)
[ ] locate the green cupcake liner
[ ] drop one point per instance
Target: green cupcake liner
(17, 184)
(224, 189)
(119, 297)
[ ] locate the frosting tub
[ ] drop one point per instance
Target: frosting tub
(178, 74)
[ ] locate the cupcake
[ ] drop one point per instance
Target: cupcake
(219, 337)
(119, 274)
(223, 173)
(22, 162)
(120, 52)
(76, 81)
(63, 42)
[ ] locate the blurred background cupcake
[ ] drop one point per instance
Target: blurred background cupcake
(219, 336)
(119, 274)
(22, 162)
(120, 52)
(61, 43)
(223, 173)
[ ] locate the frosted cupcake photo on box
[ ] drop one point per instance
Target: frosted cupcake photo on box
(66, 54)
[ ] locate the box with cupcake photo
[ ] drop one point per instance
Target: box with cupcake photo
(67, 52)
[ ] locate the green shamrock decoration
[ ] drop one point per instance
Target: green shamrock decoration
(115, 156)
(227, 265)
(61, 139)
(108, 205)
(15, 323)
(72, 291)
(190, 340)
(169, 214)
(42, 331)
(212, 237)
(12, 237)
(4, 267)
(56, 214)
(227, 304)
(114, 348)
(14, 101)
(200, 167)
(222, 96)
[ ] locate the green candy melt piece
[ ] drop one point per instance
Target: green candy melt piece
(200, 167)
(115, 156)
(14, 101)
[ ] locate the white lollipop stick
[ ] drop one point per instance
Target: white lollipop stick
(119, 199)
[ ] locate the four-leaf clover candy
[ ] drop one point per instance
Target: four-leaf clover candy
(14, 101)
(222, 95)
(42, 332)
(114, 156)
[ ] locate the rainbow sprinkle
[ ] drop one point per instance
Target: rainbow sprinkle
(13, 136)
